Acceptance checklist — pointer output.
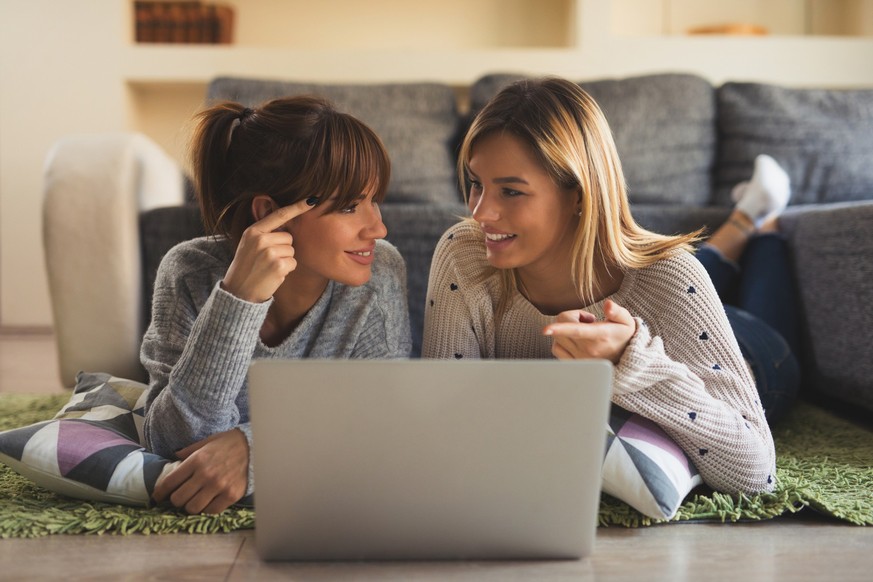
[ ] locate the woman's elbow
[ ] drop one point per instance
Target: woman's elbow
(756, 476)
(160, 439)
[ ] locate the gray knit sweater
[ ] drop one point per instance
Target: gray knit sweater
(201, 339)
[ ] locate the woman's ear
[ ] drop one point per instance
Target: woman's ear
(262, 205)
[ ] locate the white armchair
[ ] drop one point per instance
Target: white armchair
(94, 190)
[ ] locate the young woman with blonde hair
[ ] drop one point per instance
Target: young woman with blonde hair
(552, 264)
(294, 267)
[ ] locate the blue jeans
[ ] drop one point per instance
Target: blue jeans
(761, 305)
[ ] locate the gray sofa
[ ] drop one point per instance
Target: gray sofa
(684, 143)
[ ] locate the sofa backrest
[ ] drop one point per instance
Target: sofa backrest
(822, 137)
(418, 122)
(664, 129)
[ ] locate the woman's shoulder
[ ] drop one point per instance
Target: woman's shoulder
(388, 264)
(388, 258)
(387, 254)
(672, 281)
(464, 234)
(680, 266)
(197, 255)
(462, 246)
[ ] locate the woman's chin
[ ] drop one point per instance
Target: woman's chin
(500, 261)
(355, 279)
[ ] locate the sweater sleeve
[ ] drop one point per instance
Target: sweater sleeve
(683, 369)
(454, 298)
(197, 360)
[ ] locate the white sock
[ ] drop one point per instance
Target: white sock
(766, 194)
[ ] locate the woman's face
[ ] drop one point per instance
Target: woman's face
(529, 221)
(338, 245)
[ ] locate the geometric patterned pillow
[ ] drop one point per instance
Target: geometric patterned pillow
(644, 467)
(92, 448)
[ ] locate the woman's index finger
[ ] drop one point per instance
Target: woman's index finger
(281, 216)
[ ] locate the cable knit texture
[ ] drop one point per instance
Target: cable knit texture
(682, 368)
(201, 340)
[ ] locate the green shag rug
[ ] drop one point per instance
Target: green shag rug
(823, 463)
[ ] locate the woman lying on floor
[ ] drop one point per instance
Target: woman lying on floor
(289, 194)
(552, 264)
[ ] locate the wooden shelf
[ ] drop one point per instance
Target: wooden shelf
(169, 64)
(786, 60)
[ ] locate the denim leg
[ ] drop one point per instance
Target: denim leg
(724, 273)
(776, 371)
(766, 287)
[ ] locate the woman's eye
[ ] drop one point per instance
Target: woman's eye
(350, 210)
(475, 186)
(510, 193)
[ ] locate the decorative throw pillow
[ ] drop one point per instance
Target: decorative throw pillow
(91, 449)
(644, 467)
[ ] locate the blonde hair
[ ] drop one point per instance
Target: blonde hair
(568, 134)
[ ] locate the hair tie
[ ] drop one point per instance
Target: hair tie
(243, 115)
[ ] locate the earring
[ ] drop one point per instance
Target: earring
(578, 211)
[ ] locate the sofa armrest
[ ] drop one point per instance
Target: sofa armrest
(831, 246)
(95, 187)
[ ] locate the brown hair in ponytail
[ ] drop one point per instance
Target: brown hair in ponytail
(290, 149)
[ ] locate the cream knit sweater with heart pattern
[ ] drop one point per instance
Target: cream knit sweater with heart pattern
(682, 368)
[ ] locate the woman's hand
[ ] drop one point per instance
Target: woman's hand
(212, 476)
(578, 335)
(264, 257)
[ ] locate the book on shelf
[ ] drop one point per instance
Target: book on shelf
(186, 22)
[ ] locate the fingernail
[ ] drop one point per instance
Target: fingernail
(312, 200)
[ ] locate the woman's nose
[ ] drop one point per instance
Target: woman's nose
(483, 209)
(375, 227)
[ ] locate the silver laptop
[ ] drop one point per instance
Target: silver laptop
(427, 459)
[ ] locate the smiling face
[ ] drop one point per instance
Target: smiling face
(338, 246)
(529, 221)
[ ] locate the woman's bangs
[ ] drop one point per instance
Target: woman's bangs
(358, 166)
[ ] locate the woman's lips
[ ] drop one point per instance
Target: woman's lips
(498, 240)
(363, 256)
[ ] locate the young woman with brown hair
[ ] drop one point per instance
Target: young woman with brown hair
(294, 267)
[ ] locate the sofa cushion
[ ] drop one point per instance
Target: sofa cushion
(664, 128)
(418, 122)
(678, 219)
(822, 137)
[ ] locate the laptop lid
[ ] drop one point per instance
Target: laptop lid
(427, 459)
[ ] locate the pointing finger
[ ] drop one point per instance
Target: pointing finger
(281, 216)
(574, 330)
